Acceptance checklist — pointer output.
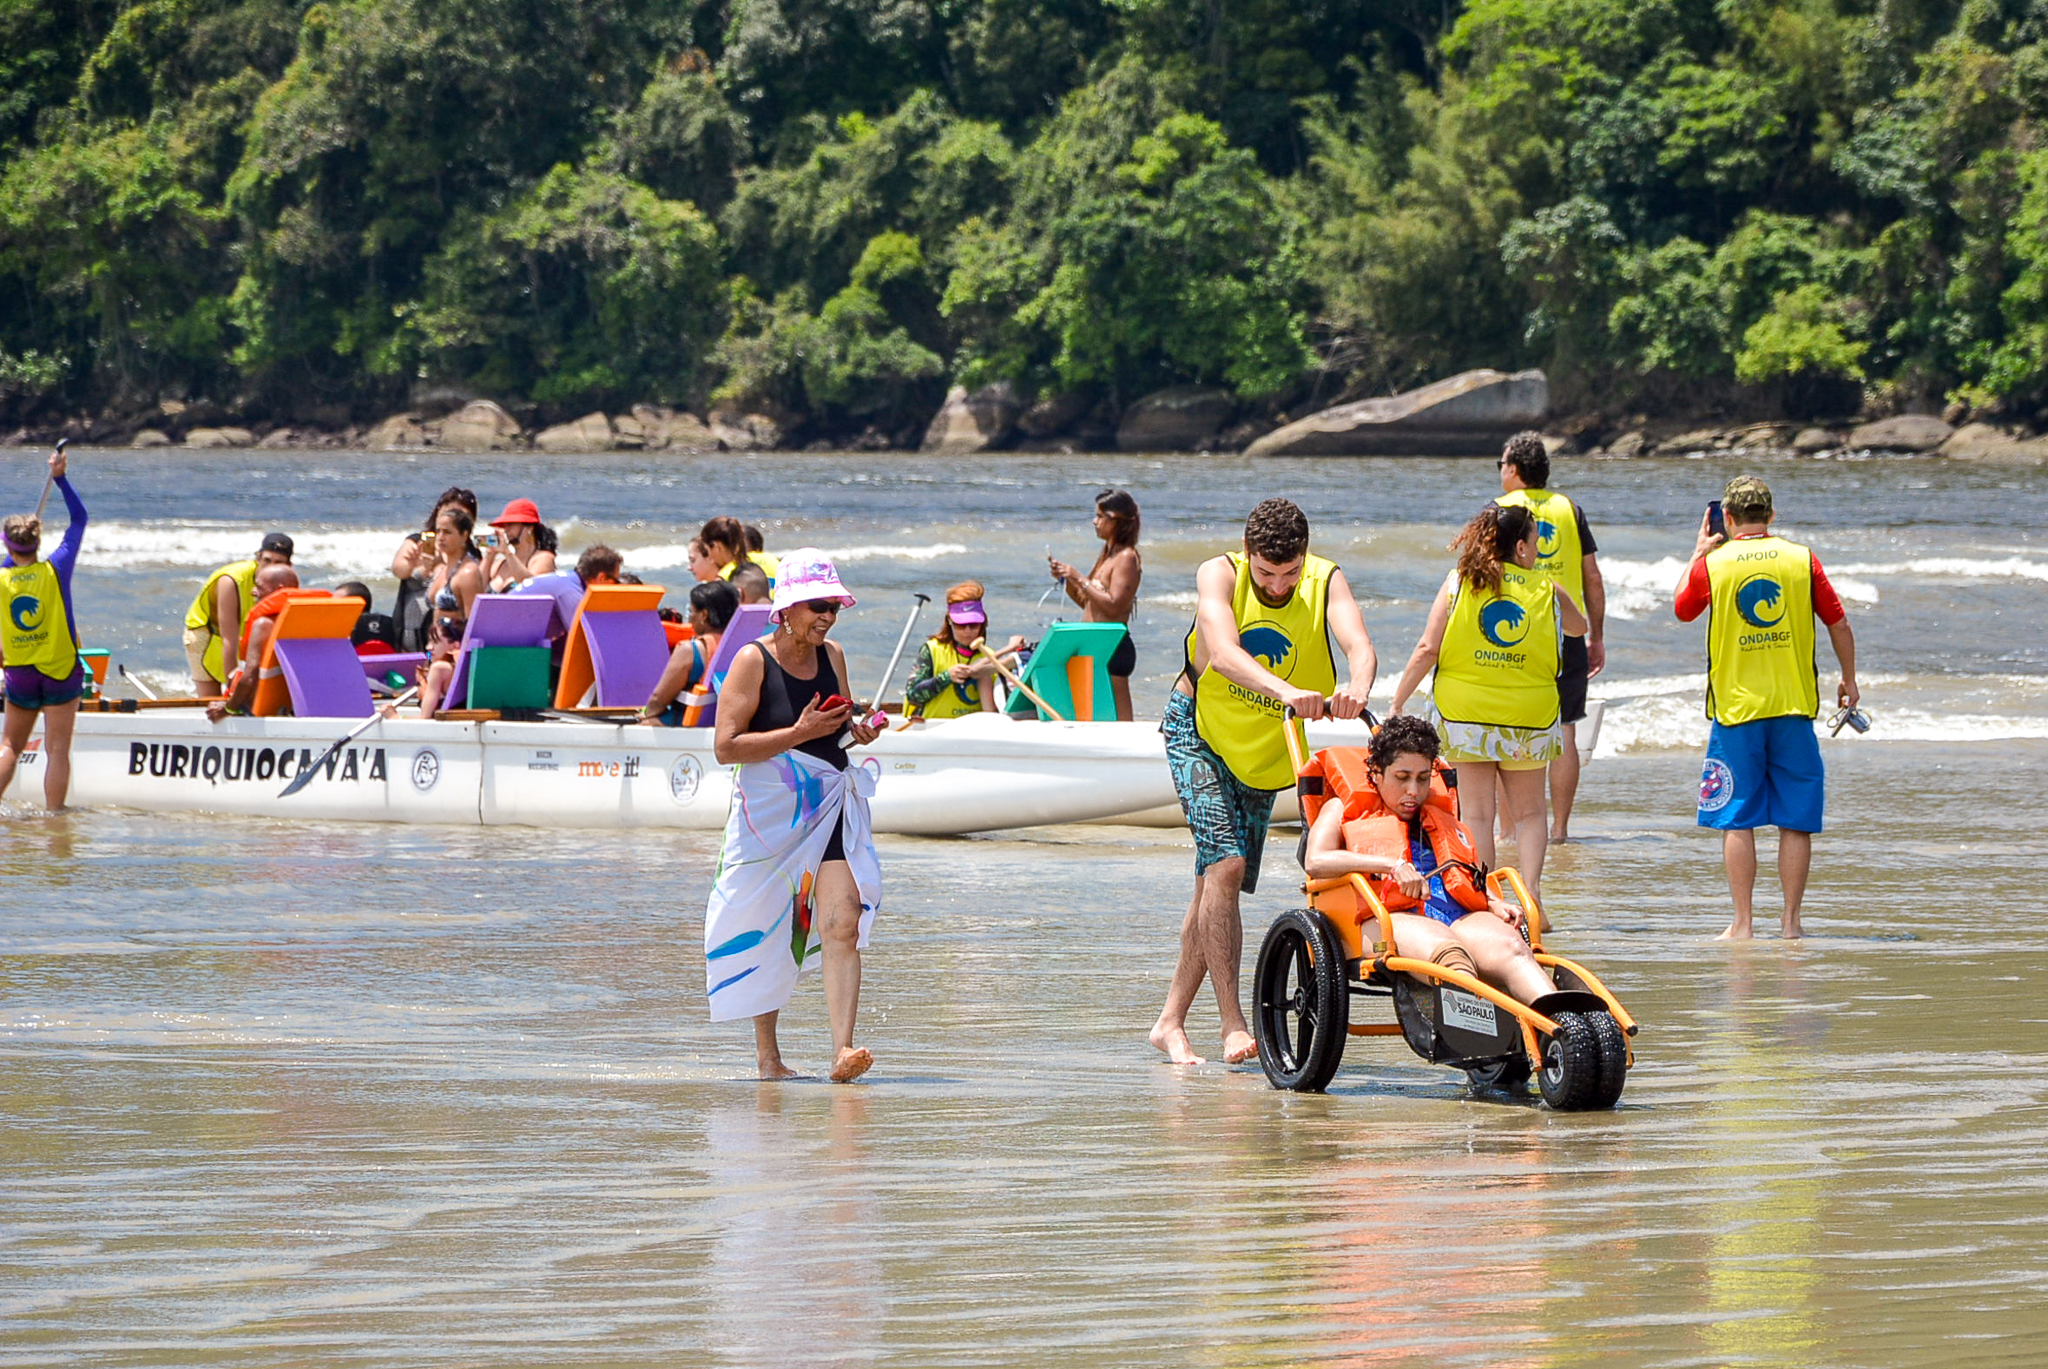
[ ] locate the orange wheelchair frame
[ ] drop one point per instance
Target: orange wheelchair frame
(1315, 960)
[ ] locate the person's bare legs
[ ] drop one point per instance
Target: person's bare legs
(767, 1052)
(837, 900)
(1738, 854)
(1120, 690)
(1564, 785)
(1223, 948)
(1524, 790)
(1477, 781)
(1170, 1032)
(1503, 957)
(13, 741)
(1795, 858)
(58, 721)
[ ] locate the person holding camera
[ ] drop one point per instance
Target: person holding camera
(1761, 593)
(519, 547)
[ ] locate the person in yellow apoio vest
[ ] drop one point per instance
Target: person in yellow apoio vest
(213, 623)
(1495, 637)
(39, 642)
(1763, 765)
(1260, 645)
(949, 679)
(1565, 552)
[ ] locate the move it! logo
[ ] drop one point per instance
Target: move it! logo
(1761, 601)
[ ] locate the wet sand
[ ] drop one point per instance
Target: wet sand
(284, 1095)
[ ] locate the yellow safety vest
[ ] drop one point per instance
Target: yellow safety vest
(769, 566)
(1242, 726)
(1559, 553)
(1760, 635)
(1499, 658)
(201, 614)
(37, 630)
(955, 699)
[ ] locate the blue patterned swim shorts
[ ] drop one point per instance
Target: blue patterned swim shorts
(1227, 818)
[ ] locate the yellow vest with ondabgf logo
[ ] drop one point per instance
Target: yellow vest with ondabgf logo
(955, 700)
(37, 630)
(201, 614)
(1242, 726)
(1760, 636)
(1559, 553)
(1498, 662)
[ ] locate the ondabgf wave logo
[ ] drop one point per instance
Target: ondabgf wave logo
(1504, 622)
(1761, 601)
(1546, 538)
(27, 612)
(1264, 642)
(1717, 786)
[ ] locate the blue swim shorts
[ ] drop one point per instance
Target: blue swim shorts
(29, 688)
(1765, 773)
(1227, 818)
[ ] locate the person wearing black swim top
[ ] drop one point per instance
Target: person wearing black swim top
(772, 705)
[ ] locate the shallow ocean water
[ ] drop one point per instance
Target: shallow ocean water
(281, 1094)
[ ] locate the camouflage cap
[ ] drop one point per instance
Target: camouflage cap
(1747, 499)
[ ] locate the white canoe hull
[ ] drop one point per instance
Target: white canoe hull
(979, 773)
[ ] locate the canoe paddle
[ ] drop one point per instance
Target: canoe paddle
(889, 672)
(306, 772)
(50, 480)
(981, 649)
(140, 687)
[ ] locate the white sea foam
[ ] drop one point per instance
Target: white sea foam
(202, 545)
(1176, 598)
(670, 555)
(1641, 589)
(1951, 568)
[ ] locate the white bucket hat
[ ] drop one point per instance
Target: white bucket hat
(806, 574)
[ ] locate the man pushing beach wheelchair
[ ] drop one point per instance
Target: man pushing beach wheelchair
(1470, 983)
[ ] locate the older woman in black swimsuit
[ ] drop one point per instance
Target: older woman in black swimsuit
(773, 706)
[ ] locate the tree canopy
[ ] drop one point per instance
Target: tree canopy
(833, 209)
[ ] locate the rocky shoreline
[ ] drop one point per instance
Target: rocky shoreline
(1464, 415)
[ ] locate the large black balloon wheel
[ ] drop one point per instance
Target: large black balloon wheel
(1301, 1004)
(1570, 1077)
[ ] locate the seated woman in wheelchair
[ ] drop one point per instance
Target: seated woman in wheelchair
(1421, 863)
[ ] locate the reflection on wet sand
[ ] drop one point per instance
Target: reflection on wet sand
(383, 1096)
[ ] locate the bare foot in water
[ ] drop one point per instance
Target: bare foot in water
(1174, 1041)
(1239, 1047)
(852, 1063)
(775, 1069)
(1734, 933)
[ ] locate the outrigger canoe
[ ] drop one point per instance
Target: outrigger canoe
(978, 773)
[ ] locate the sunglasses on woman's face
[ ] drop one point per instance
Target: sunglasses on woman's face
(821, 607)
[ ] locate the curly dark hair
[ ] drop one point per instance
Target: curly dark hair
(1526, 453)
(1488, 541)
(1402, 735)
(1277, 531)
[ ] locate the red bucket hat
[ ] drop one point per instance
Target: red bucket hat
(518, 511)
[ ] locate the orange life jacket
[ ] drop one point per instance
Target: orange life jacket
(1344, 773)
(1385, 834)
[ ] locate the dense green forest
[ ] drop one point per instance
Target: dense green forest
(833, 209)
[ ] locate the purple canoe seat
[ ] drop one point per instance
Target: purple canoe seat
(749, 624)
(498, 620)
(616, 649)
(324, 679)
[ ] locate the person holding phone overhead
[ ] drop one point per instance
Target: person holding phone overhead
(1109, 592)
(1763, 768)
(798, 873)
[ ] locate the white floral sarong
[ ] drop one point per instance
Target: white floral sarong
(758, 932)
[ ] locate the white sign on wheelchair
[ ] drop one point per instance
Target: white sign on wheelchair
(1469, 1011)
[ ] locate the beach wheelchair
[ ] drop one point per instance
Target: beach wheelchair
(1317, 962)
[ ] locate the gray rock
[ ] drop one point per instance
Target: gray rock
(666, 429)
(150, 437)
(1770, 437)
(1180, 418)
(628, 432)
(590, 433)
(438, 401)
(738, 432)
(478, 426)
(1628, 444)
(1811, 440)
(1905, 433)
(1984, 442)
(1697, 440)
(279, 439)
(398, 433)
(1052, 415)
(1465, 415)
(220, 437)
(968, 423)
